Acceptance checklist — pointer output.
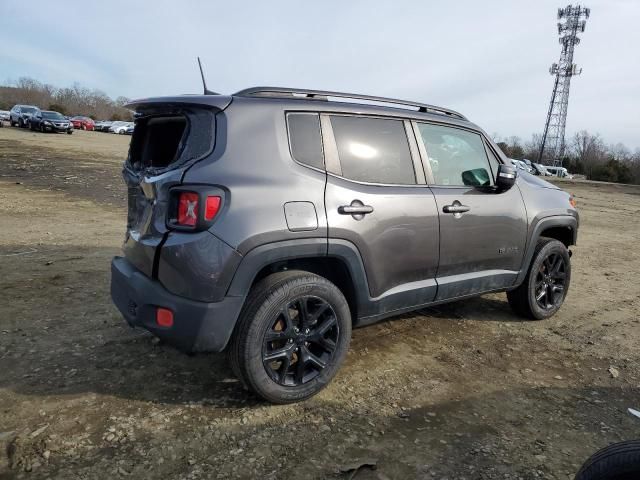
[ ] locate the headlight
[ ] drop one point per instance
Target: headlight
(46, 122)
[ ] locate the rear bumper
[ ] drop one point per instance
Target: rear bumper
(197, 326)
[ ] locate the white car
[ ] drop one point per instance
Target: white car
(4, 115)
(120, 127)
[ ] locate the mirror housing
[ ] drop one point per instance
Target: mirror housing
(506, 177)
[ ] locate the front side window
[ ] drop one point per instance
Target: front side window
(493, 161)
(305, 138)
(457, 157)
(373, 150)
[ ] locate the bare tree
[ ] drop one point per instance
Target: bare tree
(74, 100)
(589, 150)
(532, 147)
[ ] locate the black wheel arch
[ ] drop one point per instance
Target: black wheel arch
(337, 260)
(560, 227)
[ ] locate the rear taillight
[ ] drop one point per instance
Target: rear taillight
(188, 209)
(194, 207)
(211, 208)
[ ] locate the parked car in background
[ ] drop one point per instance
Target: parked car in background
(540, 170)
(521, 165)
(102, 126)
(129, 130)
(559, 172)
(4, 115)
(20, 115)
(50, 121)
(122, 129)
(82, 123)
(116, 127)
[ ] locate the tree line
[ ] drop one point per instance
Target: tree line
(585, 153)
(74, 100)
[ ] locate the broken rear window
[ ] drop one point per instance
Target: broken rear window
(168, 140)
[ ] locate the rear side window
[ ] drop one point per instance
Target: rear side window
(305, 138)
(373, 150)
(457, 157)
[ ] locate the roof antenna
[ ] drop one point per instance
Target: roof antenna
(204, 83)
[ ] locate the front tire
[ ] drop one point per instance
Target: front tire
(545, 287)
(292, 336)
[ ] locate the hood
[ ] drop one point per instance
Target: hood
(535, 181)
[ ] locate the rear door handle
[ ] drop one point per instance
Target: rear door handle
(355, 209)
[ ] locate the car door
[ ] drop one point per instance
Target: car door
(482, 231)
(377, 200)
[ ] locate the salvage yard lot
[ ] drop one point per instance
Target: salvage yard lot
(464, 390)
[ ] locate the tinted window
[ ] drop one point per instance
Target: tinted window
(306, 142)
(456, 157)
(28, 109)
(373, 150)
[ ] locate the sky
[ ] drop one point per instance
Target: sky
(488, 60)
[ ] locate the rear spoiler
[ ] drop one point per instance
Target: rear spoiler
(219, 102)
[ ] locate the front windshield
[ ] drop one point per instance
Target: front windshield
(28, 109)
(52, 115)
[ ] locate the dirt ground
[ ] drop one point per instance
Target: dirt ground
(463, 391)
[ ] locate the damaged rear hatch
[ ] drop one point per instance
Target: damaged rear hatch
(170, 134)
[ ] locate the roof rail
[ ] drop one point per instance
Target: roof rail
(324, 95)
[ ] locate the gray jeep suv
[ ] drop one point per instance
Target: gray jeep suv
(272, 221)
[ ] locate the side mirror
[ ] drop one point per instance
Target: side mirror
(506, 177)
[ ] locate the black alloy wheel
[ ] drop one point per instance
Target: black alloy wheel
(301, 341)
(550, 281)
(545, 287)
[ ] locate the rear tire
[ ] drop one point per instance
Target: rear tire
(308, 321)
(544, 289)
(620, 461)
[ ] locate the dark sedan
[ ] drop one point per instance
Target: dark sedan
(48, 121)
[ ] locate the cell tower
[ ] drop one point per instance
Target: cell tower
(572, 21)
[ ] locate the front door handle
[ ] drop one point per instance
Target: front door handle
(456, 208)
(357, 209)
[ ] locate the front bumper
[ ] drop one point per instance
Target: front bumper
(55, 128)
(197, 326)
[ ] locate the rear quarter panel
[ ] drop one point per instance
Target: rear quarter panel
(253, 162)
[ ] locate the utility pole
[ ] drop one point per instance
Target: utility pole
(572, 21)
